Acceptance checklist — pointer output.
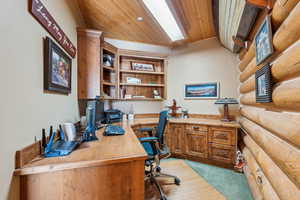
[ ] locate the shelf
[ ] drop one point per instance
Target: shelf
(108, 68)
(142, 72)
(143, 85)
(108, 83)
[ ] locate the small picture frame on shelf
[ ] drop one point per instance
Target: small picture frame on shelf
(202, 91)
(57, 68)
(263, 41)
(263, 85)
(142, 66)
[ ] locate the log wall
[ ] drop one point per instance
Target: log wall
(272, 141)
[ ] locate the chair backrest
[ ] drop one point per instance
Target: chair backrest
(163, 119)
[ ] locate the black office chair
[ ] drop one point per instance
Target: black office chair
(156, 150)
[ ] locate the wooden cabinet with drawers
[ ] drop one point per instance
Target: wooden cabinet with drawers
(208, 141)
(203, 142)
(196, 138)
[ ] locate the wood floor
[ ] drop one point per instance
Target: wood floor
(192, 185)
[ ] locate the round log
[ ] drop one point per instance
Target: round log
(289, 31)
(257, 195)
(247, 58)
(287, 94)
(250, 69)
(282, 185)
(248, 85)
(284, 125)
(248, 98)
(284, 155)
(281, 10)
(260, 179)
(288, 64)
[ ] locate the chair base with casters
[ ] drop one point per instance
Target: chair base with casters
(156, 150)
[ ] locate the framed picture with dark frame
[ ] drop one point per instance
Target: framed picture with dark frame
(57, 68)
(263, 41)
(202, 91)
(263, 85)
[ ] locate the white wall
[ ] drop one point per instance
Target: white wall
(24, 108)
(201, 62)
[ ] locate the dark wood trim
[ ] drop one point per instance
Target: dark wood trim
(215, 11)
(248, 19)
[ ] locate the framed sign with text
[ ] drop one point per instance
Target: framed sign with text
(42, 15)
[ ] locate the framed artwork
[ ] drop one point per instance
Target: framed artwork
(202, 91)
(263, 85)
(57, 68)
(263, 41)
(142, 66)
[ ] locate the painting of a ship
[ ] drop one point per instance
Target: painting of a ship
(204, 90)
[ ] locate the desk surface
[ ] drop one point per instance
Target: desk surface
(107, 150)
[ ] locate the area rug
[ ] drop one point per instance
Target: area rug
(192, 185)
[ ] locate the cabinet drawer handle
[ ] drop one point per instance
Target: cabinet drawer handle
(222, 153)
(196, 128)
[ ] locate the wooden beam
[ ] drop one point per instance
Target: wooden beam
(272, 121)
(289, 31)
(266, 191)
(281, 10)
(286, 96)
(248, 85)
(255, 190)
(274, 155)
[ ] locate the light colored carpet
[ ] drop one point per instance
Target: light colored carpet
(192, 187)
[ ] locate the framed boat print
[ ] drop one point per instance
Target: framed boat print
(263, 41)
(202, 91)
(57, 68)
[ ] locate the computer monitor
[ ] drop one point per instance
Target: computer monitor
(98, 106)
(99, 110)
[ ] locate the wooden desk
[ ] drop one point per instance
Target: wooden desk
(110, 168)
(113, 167)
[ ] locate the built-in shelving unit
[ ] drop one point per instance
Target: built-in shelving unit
(148, 80)
(109, 80)
(109, 72)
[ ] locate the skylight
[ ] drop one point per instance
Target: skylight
(163, 15)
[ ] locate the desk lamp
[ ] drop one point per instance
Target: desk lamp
(225, 102)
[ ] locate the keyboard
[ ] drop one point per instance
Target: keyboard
(112, 130)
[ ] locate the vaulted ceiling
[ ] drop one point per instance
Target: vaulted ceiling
(118, 19)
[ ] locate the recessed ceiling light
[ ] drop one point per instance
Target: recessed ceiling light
(163, 15)
(140, 18)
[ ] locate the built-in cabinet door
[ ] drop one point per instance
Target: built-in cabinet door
(196, 140)
(177, 138)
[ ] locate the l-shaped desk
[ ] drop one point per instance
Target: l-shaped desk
(113, 167)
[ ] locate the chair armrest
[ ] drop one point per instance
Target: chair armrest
(148, 139)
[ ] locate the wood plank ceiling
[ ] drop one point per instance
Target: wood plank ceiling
(118, 19)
